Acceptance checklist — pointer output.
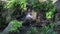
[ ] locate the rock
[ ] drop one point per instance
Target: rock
(6, 30)
(57, 5)
(12, 26)
(57, 17)
(57, 23)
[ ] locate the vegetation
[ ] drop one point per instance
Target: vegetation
(16, 24)
(13, 4)
(48, 29)
(15, 11)
(51, 11)
(33, 30)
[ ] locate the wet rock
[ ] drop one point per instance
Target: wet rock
(57, 5)
(57, 17)
(6, 30)
(57, 27)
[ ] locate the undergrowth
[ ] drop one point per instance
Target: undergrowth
(49, 29)
(16, 24)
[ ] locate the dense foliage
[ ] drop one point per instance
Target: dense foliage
(13, 4)
(17, 9)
